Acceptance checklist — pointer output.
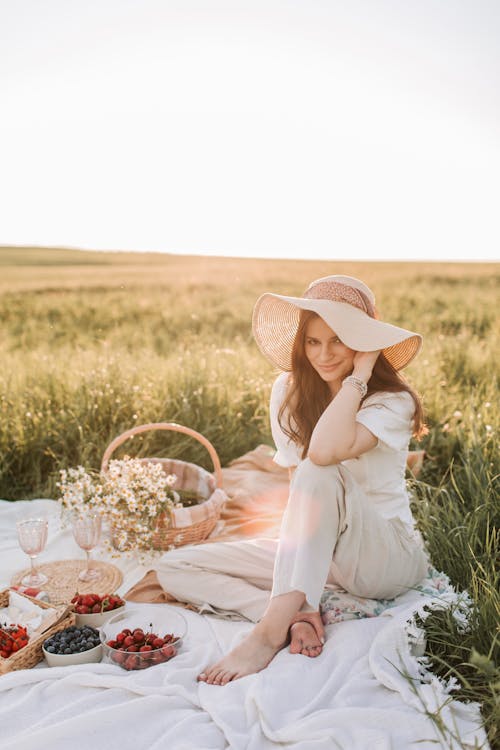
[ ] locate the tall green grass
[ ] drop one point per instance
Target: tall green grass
(96, 343)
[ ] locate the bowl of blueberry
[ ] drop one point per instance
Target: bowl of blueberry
(73, 645)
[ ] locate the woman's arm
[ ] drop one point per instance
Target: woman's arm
(337, 436)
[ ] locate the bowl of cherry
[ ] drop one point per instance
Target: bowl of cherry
(143, 637)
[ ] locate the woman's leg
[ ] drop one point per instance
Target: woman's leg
(232, 579)
(310, 528)
(313, 521)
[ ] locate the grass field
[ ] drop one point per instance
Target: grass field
(93, 343)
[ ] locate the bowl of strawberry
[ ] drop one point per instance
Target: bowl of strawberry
(12, 639)
(144, 637)
(93, 610)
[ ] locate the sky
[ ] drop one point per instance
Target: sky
(336, 129)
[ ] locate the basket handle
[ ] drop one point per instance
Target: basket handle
(173, 427)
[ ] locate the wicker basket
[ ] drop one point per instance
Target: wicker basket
(32, 653)
(187, 525)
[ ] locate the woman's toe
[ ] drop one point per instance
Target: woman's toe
(211, 676)
(296, 645)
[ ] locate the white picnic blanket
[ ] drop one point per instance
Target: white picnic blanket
(366, 690)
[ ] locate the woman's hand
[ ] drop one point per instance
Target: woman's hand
(364, 362)
(337, 436)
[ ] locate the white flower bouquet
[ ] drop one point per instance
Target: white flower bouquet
(137, 498)
(79, 490)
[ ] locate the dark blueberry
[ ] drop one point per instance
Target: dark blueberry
(67, 651)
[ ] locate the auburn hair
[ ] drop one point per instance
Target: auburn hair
(308, 394)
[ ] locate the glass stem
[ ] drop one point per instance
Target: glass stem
(88, 560)
(33, 567)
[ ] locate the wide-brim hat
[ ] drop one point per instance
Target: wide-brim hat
(347, 306)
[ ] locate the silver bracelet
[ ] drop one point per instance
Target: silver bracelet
(359, 384)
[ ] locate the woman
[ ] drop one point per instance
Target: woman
(341, 417)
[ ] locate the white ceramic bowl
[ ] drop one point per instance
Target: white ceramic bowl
(96, 620)
(161, 619)
(91, 656)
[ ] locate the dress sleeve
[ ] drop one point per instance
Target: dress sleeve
(389, 417)
(287, 453)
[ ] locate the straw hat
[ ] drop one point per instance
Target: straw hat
(347, 306)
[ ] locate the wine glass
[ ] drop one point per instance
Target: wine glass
(87, 532)
(32, 535)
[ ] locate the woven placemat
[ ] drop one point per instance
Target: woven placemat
(63, 581)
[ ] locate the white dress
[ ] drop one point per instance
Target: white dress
(346, 526)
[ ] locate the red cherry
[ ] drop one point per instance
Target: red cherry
(130, 662)
(138, 635)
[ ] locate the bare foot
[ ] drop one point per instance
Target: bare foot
(251, 655)
(304, 639)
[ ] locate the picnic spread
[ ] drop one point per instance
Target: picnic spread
(370, 687)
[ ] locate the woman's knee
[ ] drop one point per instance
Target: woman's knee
(178, 558)
(311, 474)
(319, 489)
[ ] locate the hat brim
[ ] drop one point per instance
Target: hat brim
(276, 319)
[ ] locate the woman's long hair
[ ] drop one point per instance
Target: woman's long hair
(308, 394)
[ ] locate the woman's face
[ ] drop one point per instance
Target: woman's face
(332, 360)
